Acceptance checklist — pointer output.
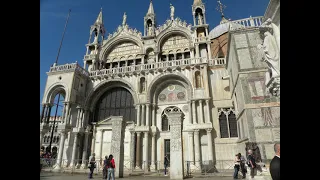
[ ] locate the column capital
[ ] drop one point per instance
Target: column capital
(154, 134)
(196, 131)
(49, 104)
(209, 130)
(200, 101)
(138, 133)
(190, 133)
(207, 101)
(79, 107)
(101, 130)
(143, 105)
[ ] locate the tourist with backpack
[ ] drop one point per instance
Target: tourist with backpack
(251, 162)
(105, 169)
(110, 165)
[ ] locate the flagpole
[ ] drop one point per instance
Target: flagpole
(65, 27)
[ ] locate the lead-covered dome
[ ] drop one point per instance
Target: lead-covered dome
(224, 26)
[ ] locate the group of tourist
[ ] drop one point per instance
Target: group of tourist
(240, 164)
(108, 166)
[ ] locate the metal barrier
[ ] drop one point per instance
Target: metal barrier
(208, 168)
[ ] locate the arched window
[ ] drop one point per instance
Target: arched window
(115, 102)
(48, 139)
(54, 139)
(198, 79)
(233, 124)
(142, 84)
(165, 122)
(45, 139)
(58, 139)
(228, 123)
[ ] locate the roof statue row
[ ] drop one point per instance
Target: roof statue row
(126, 30)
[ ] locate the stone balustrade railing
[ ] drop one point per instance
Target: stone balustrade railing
(69, 67)
(217, 61)
(158, 66)
(51, 119)
(249, 22)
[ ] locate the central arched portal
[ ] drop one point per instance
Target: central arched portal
(117, 101)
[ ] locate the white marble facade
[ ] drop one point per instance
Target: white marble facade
(168, 67)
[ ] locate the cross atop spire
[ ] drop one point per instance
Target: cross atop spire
(99, 18)
(150, 10)
(220, 7)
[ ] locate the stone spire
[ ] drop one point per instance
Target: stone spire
(150, 10)
(99, 18)
(196, 2)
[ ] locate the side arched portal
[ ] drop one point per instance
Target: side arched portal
(117, 101)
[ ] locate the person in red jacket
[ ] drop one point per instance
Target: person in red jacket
(111, 166)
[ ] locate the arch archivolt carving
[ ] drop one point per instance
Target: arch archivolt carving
(53, 90)
(122, 47)
(174, 39)
(174, 77)
(104, 86)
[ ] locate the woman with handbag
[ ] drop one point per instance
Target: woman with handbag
(237, 161)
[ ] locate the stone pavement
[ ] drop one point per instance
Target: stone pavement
(64, 176)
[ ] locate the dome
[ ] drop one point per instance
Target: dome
(224, 26)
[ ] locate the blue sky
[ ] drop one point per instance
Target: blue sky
(53, 14)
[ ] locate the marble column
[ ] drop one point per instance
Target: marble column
(192, 53)
(197, 147)
(210, 151)
(209, 51)
(138, 151)
(49, 106)
(176, 163)
(99, 150)
(197, 51)
(84, 151)
(191, 147)
(154, 107)
(42, 112)
(64, 110)
(153, 151)
(138, 114)
(60, 152)
(147, 115)
(190, 112)
(68, 114)
(194, 119)
(208, 120)
(74, 149)
(42, 133)
(146, 151)
(78, 116)
(143, 115)
(201, 112)
(132, 153)
(117, 145)
(93, 141)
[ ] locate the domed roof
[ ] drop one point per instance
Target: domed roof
(224, 26)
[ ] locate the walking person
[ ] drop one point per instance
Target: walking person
(236, 166)
(166, 163)
(275, 163)
(251, 161)
(242, 166)
(111, 166)
(105, 169)
(92, 164)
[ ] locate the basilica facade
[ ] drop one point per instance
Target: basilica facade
(177, 89)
